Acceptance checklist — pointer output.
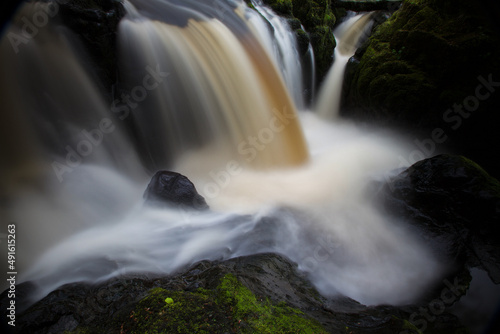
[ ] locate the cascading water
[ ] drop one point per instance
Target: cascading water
(349, 35)
(221, 84)
(207, 100)
(284, 46)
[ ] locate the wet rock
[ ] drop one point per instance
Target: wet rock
(272, 279)
(318, 19)
(455, 206)
(425, 63)
(175, 190)
(96, 23)
(367, 6)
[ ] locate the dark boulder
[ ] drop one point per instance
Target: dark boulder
(175, 190)
(455, 205)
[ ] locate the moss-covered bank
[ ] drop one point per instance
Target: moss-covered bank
(422, 64)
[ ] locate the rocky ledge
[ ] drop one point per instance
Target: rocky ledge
(262, 293)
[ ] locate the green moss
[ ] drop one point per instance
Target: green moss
(282, 7)
(230, 307)
(191, 312)
(318, 20)
(425, 58)
(411, 327)
(489, 183)
(263, 316)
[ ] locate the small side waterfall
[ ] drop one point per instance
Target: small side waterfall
(349, 35)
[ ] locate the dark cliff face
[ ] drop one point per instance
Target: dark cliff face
(95, 22)
(433, 65)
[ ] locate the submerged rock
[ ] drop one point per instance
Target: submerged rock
(455, 206)
(175, 190)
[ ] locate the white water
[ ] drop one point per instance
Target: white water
(284, 46)
(349, 34)
(210, 121)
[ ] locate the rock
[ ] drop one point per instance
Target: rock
(455, 205)
(425, 63)
(264, 291)
(96, 23)
(368, 5)
(175, 190)
(318, 19)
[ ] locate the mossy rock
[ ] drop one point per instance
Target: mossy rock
(457, 203)
(323, 43)
(318, 19)
(303, 41)
(313, 22)
(422, 61)
(190, 312)
(230, 307)
(282, 7)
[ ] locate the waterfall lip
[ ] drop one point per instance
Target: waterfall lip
(180, 12)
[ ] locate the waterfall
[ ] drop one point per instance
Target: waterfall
(221, 86)
(283, 46)
(349, 34)
(204, 89)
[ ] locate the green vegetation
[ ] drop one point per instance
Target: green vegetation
(438, 49)
(282, 7)
(488, 183)
(262, 315)
(318, 20)
(230, 307)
